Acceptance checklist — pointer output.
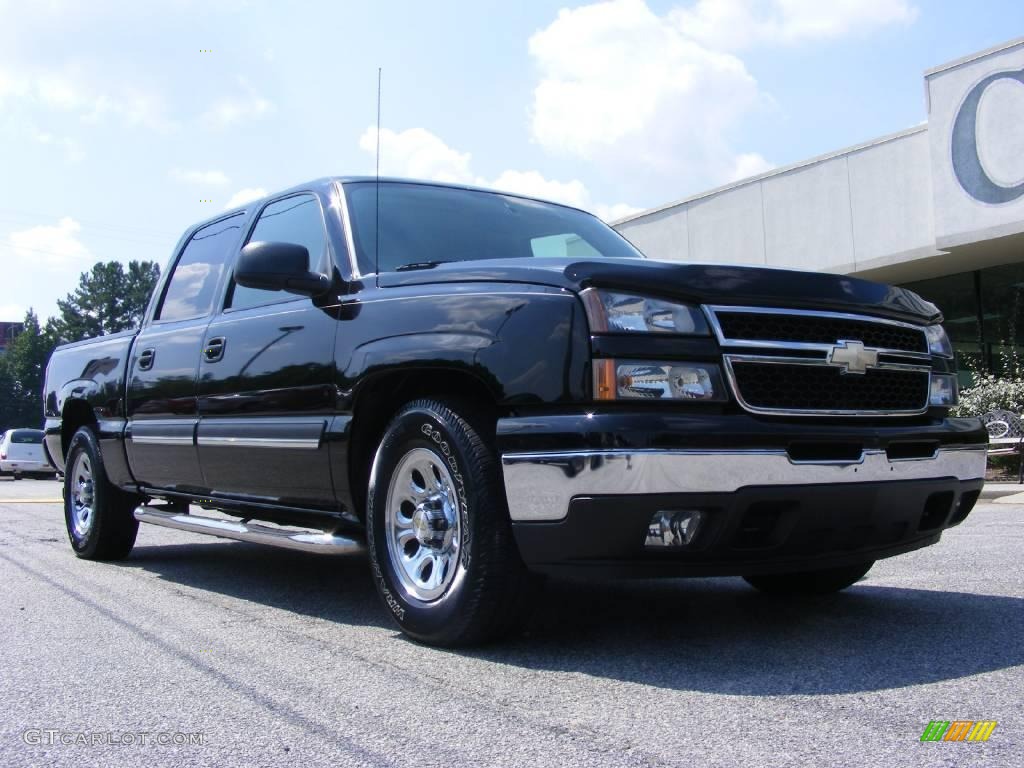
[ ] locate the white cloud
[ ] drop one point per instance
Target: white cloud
(72, 150)
(417, 153)
(203, 178)
(749, 164)
(58, 92)
(230, 110)
(734, 24)
(615, 212)
(533, 184)
(42, 263)
(624, 87)
(657, 99)
(10, 85)
(74, 92)
(245, 195)
(56, 246)
(12, 312)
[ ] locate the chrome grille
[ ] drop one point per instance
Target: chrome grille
(822, 388)
(782, 361)
(817, 329)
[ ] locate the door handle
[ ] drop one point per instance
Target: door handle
(214, 349)
(146, 359)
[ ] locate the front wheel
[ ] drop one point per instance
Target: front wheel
(441, 546)
(99, 515)
(810, 582)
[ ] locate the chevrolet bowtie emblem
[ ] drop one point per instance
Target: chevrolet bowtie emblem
(852, 357)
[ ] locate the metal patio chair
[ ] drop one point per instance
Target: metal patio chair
(1005, 436)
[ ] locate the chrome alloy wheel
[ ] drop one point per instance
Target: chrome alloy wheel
(422, 524)
(83, 496)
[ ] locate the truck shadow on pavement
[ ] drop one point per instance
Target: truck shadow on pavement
(709, 635)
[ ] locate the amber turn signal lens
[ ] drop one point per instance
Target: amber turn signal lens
(604, 380)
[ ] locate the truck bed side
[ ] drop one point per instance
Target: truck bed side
(85, 384)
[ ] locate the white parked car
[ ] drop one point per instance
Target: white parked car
(21, 453)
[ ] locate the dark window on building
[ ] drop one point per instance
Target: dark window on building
(295, 220)
(984, 315)
(1002, 303)
(193, 284)
(957, 298)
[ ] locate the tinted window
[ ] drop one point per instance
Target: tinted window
(421, 223)
(193, 284)
(292, 220)
(27, 436)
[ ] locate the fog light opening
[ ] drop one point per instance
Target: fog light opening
(673, 528)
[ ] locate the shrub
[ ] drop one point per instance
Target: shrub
(990, 393)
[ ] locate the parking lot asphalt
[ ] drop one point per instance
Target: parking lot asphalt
(280, 658)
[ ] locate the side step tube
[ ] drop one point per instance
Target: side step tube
(305, 541)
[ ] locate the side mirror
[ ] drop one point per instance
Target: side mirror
(279, 267)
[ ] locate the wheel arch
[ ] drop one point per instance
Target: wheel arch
(77, 413)
(381, 396)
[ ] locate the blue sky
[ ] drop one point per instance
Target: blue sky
(116, 127)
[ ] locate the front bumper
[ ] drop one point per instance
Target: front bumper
(766, 508)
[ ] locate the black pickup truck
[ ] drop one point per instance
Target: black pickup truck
(480, 389)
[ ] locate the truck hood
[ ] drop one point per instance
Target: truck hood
(697, 283)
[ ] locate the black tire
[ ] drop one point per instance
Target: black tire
(820, 582)
(17, 476)
(109, 530)
(490, 592)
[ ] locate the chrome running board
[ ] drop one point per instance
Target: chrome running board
(320, 542)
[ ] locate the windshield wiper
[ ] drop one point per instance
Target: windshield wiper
(420, 265)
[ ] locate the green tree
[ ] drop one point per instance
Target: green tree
(9, 410)
(108, 299)
(22, 371)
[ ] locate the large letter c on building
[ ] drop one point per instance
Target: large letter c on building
(966, 162)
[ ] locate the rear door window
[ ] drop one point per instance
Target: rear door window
(192, 288)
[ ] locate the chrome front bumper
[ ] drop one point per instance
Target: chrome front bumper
(539, 486)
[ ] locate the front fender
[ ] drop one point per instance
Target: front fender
(524, 346)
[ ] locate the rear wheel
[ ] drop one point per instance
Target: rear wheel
(98, 515)
(810, 582)
(441, 545)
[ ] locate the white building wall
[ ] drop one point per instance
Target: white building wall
(962, 216)
(892, 211)
(728, 227)
(807, 217)
(839, 213)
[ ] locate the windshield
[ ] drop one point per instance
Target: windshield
(423, 225)
(26, 436)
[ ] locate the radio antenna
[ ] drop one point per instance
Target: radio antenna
(376, 238)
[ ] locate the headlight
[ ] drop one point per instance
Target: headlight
(615, 312)
(693, 382)
(938, 341)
